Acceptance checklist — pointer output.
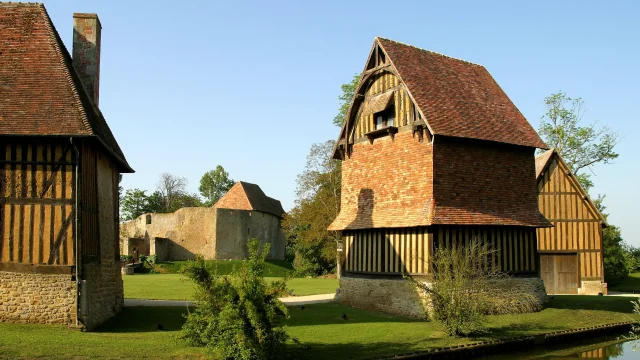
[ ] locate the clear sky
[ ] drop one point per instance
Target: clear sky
(188, 85)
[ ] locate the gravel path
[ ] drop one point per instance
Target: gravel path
(291, 301)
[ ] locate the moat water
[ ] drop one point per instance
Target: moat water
(603, 348)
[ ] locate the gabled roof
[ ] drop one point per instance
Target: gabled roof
(542, 163)
(455, 97)
(246, 196)
(41, 92)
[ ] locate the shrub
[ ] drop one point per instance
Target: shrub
(239, 315)
(466, 287)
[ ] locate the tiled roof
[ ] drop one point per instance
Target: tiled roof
(41, 93)
(459, 98)
(246, 196)
(542, 160)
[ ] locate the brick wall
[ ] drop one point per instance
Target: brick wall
(386, 184)
(37, 298)
(484, 183)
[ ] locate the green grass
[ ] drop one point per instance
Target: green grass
(273, 268)
(630, 284)
(177, 287)
(363, 335)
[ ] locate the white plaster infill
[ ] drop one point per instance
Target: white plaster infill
(289, 301)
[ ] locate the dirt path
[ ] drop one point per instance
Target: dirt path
(291, 301)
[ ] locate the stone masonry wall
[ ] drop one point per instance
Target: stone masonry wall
(37, 298)
(593, 288)
(397, 296)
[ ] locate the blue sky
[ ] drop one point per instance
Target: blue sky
(188, 85)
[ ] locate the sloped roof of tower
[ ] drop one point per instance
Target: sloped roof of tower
(247, 196)
(458, 98)
(41, 92)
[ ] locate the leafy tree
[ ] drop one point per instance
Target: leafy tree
(348, 91)
(317, 204)
(157, 203)
(464, 289)
(171, 188)
(185, 200)
(214, 184)
(616, 260)
(238, 316)
(134, 203)
(580, 146)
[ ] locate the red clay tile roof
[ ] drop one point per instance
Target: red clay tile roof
(246, 196)
(41, 93)
(459, 98)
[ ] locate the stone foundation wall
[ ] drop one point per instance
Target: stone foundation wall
(398, 296)
(37, 298)
(395, 296)
(104, 293)
(592, 288)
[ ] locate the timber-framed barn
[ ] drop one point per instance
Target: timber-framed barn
(571, 252)
(434, 154)
(59, 173)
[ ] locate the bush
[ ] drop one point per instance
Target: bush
(238, 316)
(465, 287)
(617, 261)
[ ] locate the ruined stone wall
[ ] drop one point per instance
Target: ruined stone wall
(213, 232)
(37, 298)
(103, 296)
(398, 296)
(235, 227)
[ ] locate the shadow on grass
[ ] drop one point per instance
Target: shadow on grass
(145, 319)
(333, 313)
(346, 350)
(585, 302)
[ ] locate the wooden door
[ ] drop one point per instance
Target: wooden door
(559, 273)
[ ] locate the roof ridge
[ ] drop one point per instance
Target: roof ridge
(58, 47)
(16, 4)
(430, 51)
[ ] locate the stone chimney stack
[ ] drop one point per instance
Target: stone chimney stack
(86, 52)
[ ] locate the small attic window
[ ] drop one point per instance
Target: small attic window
(385, 118)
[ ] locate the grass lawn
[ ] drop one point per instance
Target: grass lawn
(133, 333)
(630, 284)
(177, 287)
(273, 268)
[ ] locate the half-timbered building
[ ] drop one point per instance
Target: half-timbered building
(571, 252)
(434, 154)
(59, 173)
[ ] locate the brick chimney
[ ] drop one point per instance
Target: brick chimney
(86, 52)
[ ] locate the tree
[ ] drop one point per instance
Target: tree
(317, 204)
(464, 289)
(348, 91)
(214, 184)
(171, 187)
(238, 316)
(185, 200)
(157, 203)
(134, 203)
(580, 146)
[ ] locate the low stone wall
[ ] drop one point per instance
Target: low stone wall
(590, 287)
(104, 293)
(37, 298)
(397, 296)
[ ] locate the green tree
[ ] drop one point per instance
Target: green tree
(157, 203)
(348, 91)
(616, 259)
(134, 203)
(214, 184)
(581, 146)
(185, 200)
(317, 204)
(238, 316)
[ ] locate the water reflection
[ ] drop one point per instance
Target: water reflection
(612, 349)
